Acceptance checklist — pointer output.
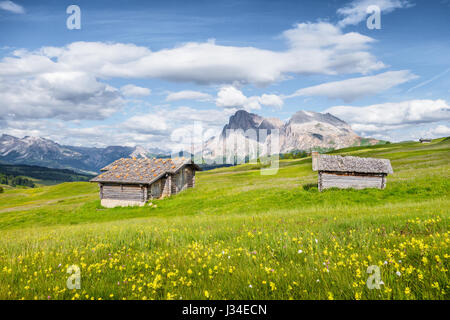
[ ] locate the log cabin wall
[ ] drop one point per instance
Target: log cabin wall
(154, 190)
(190, 177)
(319, 181)
(144, 189)
(175, 183)
(182, 180)
(344, 180)
(122, 192)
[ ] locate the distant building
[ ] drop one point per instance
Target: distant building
(421, 140)
(352, 172)
(130, 182)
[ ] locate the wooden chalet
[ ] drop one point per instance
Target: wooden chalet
(351, 172)
(130, 182)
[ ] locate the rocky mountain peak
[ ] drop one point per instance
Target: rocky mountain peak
(244, 120)
(7, 136)
(32, 140)
(139, 152)
(271, 123)
(310, 116)
(305, 130)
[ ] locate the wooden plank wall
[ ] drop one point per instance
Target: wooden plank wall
(123, 192)
(330, 180)
(180, 181)
(154, 190)
(175, 183)
(190, 177)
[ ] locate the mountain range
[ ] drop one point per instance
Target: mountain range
(44, 152)
(305, 130)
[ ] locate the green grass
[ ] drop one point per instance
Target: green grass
(237, 235)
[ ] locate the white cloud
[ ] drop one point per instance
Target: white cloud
(65, 95)
(188, 95)
(230, 97)
(11, 7)
(271, 100)
(131, 90)
(439, 131)
(154, 128)
(313, 48)
(211, 117)
(146, 123)
(391, 115)
(323, 35)
(354, 88)
(355, 11)
(66, 82)
(162, 122)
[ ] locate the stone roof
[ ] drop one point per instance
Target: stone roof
(141, 171)
(353, 164)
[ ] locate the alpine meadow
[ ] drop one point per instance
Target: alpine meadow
(239, 235)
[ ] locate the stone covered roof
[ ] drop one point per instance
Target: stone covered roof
(353, 164)
(141, 171)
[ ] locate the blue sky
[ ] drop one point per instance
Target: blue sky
(136, 72)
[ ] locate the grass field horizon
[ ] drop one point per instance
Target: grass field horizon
(239, 235)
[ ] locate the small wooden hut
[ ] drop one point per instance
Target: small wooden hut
(352, 172)
(130, 182)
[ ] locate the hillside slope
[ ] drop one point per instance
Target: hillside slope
(42, 175)
(239, 234)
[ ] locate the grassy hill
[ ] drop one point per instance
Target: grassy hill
(239, 235)
(39, 176)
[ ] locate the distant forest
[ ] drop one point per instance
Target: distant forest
(16, 181)
(23, 175)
